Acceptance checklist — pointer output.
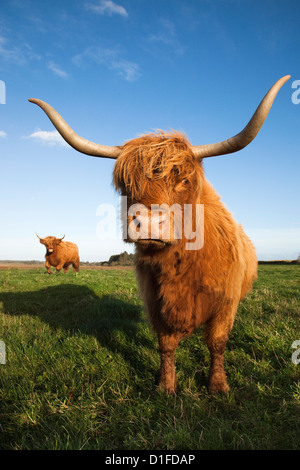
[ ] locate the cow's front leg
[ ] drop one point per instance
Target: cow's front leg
(48, 267)
(167, 346)
(217, 375)
(59, 268)
(216, 336)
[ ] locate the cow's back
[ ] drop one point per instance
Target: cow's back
(67, 251)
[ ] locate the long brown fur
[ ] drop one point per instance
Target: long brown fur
(183, 289)
(63, 255)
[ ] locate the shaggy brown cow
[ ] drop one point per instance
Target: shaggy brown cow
(182, 287)
(60, 254)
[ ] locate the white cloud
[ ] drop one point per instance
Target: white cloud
(10, 53)
(57, 70)
(107, 7)
(19, 54)
(3, 134)
(48, 137)
(166, 35)
(110, 58)
(127, 70)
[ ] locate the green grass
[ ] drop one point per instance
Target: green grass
(82, 368)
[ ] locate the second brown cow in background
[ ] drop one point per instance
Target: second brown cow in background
(60, 254)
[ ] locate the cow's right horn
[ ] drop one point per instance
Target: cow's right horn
(73, 139)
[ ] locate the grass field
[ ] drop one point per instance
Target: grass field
(82, 368)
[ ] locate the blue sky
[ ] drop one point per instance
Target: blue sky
(117, 69)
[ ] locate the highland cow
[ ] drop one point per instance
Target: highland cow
(60, 254)
(182, 288)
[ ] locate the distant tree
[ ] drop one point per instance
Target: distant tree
(123, 259)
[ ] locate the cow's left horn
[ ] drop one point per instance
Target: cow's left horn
(77, 142)
(246, 136)
(41, 239)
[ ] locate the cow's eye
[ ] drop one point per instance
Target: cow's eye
(185, 182)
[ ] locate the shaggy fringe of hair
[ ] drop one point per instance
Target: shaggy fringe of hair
(153, 156)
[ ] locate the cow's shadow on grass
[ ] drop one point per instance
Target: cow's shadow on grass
(117, 325)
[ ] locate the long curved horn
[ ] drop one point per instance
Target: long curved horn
(60, 239)
(41, 239)
(77, 142)
(246, 136)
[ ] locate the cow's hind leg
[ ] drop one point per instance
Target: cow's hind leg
(76, 266)
(216, 336)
